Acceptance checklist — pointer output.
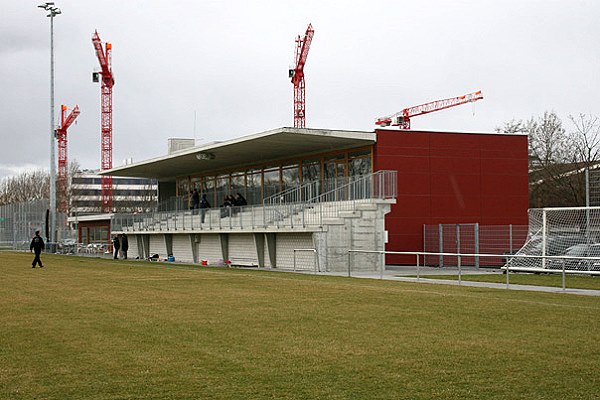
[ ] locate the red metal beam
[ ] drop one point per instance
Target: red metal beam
(297, 77)
(61, 137)
(402, 118)
(104, 59)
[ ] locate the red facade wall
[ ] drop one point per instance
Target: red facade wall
(450, 178)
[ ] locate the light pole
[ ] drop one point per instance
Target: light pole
(52, 12)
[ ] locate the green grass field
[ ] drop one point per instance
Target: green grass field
(86, 328)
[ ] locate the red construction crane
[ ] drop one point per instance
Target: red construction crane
(297, 76)
(402, 118)
(61, 136)
(104, 58)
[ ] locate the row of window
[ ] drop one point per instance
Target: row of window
(116, 192)
(258, 183)
(116, 181)
(94, 234)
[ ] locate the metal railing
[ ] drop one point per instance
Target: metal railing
(565, 265)
(309, 213)
(472, 238)
(343, 198)
(297, 194)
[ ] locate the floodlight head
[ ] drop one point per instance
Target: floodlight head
(54, 11)
(47, 5)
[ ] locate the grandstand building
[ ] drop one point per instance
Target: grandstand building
(313, 194)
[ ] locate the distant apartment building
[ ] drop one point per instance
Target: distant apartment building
(130, 195)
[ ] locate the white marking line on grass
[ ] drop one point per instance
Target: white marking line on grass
(160, 279)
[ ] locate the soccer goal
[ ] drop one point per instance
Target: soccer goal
(572, 232)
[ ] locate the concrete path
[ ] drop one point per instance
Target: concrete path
(409, 274)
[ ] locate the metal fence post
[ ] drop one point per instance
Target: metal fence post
(508, 273)
(424, 241)
(458, 252)
(441, 245)
(477, 244)
(349, 262)
(563, 276)
(543, 238)
(382, 262)
(510, 238)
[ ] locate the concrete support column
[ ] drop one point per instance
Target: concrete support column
(194, 242)
(259, 242)
(224, 237)
(271, 239)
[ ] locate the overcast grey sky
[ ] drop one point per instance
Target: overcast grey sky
(224, 65)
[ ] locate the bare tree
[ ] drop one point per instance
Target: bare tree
(73, 169)
(557, 157)
(549, 142)
(512, 126)
(26, 186)
(586, 141)
(586, 137)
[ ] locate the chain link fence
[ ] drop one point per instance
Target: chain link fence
(19, 221)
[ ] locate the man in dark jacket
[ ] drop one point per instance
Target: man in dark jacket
(37, 245)
(116, 246)
(124, 245)
(204, 206)
(195, 201)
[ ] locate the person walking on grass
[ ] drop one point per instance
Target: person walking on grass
(37, 245)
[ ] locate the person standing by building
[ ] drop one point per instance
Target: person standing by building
(124, 245)
(116, 246)
(204, 206)
(240, 200)
(190, 200)
(37, 245)
(195, 200)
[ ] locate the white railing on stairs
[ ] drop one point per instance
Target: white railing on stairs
(304, 208)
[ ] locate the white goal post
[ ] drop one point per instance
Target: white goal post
(562, 231)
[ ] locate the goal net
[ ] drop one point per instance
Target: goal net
(572, 232)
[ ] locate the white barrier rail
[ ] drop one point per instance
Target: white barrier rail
(507, 268)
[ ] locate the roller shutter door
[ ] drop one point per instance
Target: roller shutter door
(133, 251)
(182, 248)
(242, 250)
(158, 246)
(209, 248)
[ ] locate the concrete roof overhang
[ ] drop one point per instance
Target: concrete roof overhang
(273, 145)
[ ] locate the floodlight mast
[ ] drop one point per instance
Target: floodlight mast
(53, 11)
(104, 58)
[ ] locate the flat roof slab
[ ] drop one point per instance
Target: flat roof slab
(273, 145)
